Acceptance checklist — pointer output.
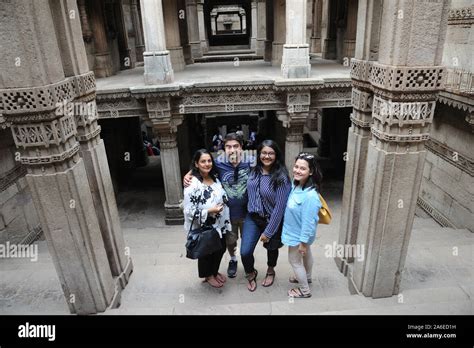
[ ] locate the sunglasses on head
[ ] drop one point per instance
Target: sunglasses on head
(306, 156)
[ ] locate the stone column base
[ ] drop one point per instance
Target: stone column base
(277, 53)
(204, 46)
(173, 214)
(103, 65)
(158, 69)
(315, 45)
(253, 43)
(177, 58)
(295, 61)
(196, 50)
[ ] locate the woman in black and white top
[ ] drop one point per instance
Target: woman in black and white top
(207, 197)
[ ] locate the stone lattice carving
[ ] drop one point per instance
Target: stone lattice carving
(43, 160)
(361, 100)
(44, 134)
(399, 138)
(403, 113)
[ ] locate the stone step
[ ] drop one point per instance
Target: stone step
(229, 52)
(227, 58)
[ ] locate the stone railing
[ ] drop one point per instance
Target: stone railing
(459, 81)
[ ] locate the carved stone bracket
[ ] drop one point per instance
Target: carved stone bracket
(403, 113)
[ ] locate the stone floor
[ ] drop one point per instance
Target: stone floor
(225, 72)
(164, 281)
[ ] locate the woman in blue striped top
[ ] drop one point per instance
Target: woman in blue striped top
(268, 187)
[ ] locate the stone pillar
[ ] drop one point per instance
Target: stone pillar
(165, 127)
(86, 29)
(293, 120)
(359, 133)
(405, 81)
(158, 68)
(328, 29)
(261, 27)
(103, 61)
(137, 27)
(46, 137)
(253, 38)
(351, 29)
(316, 28)
(173, 41)
(202, 27)
(193, 28)
(270, 30)
(295, 61)
(279, 28)
(92, 149)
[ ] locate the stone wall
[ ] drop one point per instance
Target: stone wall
(18, 215)
(447, 189)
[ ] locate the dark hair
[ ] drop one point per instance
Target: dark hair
(278, 170)
(195, 171)
(314, 179)
(233, 136)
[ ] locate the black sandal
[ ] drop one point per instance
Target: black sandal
(254, 279)
(273, 279)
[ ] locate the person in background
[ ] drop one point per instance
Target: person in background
(206, 197)
(300, 221)
(268, 187)
(233, 173)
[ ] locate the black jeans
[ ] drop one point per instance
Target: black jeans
(209, 265)
(250, 239)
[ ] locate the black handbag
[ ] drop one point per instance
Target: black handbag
(202, 241)
(275, 241)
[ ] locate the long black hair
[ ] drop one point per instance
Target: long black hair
(316, 177)
(195, 170)
(278, 171)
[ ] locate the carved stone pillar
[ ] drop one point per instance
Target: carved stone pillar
(279, 29)
(202, 27)
(86, 30)
(295, 61)
(294, 119)
(137, 27)
(103, 60)
(351, 28)
(316, 29)
(405, 81)
(193, 28)
(261, 27)
(253, 38)
(165, 126)
(92, 148)
(173, 41)
(359, 133)
(46, 137)
(158, 68)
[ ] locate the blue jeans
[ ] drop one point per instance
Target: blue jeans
(250, 237)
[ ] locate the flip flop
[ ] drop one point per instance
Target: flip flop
(273, 279)
(298, 293)
(254, 279)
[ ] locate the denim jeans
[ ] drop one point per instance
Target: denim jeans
(250, 239)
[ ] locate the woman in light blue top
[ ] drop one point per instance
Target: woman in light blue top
(300, 221)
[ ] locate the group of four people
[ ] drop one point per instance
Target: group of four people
(260, 203)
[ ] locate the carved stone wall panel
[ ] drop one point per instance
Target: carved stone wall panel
(362, 100)
(44, 134)
(403, 113)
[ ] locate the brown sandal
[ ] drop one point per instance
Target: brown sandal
(253, 279)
